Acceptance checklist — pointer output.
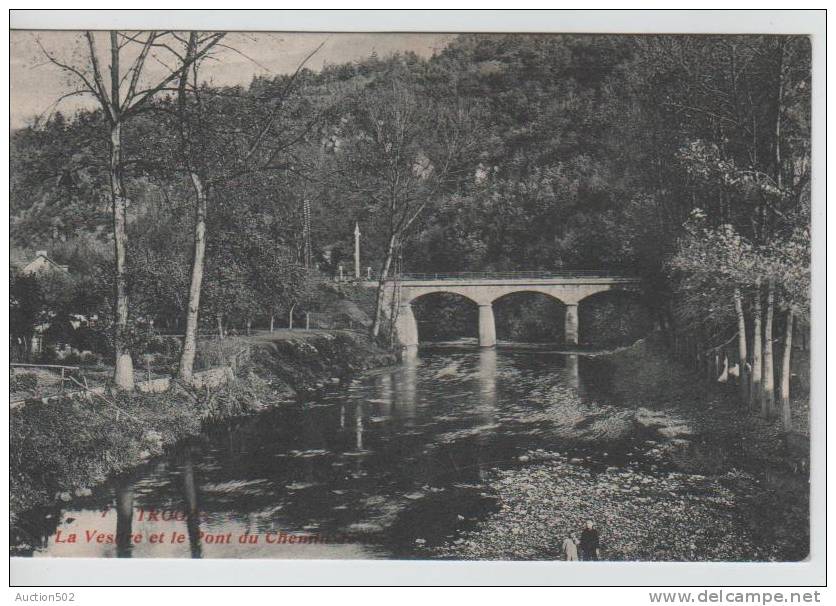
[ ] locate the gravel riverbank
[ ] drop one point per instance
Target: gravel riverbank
(707, 481)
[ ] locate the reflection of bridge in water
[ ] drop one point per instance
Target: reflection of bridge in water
(484, 288)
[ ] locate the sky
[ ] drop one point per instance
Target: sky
(36, 84)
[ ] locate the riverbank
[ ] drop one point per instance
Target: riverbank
(706, 482)
(62, 448)
(300, 364)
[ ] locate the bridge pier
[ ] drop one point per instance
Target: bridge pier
(487, 326)
(571, 326)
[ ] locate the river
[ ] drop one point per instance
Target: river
(394, 462)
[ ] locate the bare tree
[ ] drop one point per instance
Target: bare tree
(405, 149)
(128, 93)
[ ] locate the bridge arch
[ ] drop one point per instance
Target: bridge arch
(535, 290)
(414, 294)
(407, 325)
(530, 315)
(614, 317)
(444, 315)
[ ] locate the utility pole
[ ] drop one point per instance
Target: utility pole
(357, 250)
(306, 232)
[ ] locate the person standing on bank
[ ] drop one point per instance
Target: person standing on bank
(589, 542)
(570, 548)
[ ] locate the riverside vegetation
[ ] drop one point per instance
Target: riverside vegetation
(64, 446)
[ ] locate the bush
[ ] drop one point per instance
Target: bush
(47, 459)
(88, 358)
(165, 345)
(211, 353)
(71, 359)
(47, 356)
(95, 339)
(24, 381)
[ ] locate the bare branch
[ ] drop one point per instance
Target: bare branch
(72, 69)
(144, 95)
(107, 104)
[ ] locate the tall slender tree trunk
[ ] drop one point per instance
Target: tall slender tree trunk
(786, 413)
(272, 321)
(381, 287)
(743, 356)
(220, 320)
(768, 379)
(123, 375)
(779, 110)
(198, 260)
(757, 349)
(290, 317)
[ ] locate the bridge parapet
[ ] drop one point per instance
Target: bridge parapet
(580, 274)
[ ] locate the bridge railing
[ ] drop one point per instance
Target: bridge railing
(491, 275)
(510, 275)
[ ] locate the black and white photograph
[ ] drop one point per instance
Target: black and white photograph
(453, 296)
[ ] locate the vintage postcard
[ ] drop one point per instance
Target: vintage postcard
(410, 296)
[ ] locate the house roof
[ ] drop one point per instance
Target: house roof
(42, 263)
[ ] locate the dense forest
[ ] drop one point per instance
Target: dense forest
(683, 160)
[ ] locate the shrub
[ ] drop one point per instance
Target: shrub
(71, 359)
(47, 356)
(165, 345)
(88, 358)
(24, 381)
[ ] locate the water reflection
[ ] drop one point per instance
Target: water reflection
(572, 371)
(192, 509)
(486, 409)
(423, 439)
(487, 378)
(124, 520)
(385, 401)
(406, 393)
(358, 427)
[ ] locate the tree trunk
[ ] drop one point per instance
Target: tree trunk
(123, 375)
(220, 320)
(192, 311)
(249, 326)
(290, 317)
(381, 287)
(757, 349)
(786, 413)
(779, 110)
(768, 379)
(743, 356)
(272, 319)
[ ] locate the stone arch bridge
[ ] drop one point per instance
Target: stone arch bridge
(483, 288)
